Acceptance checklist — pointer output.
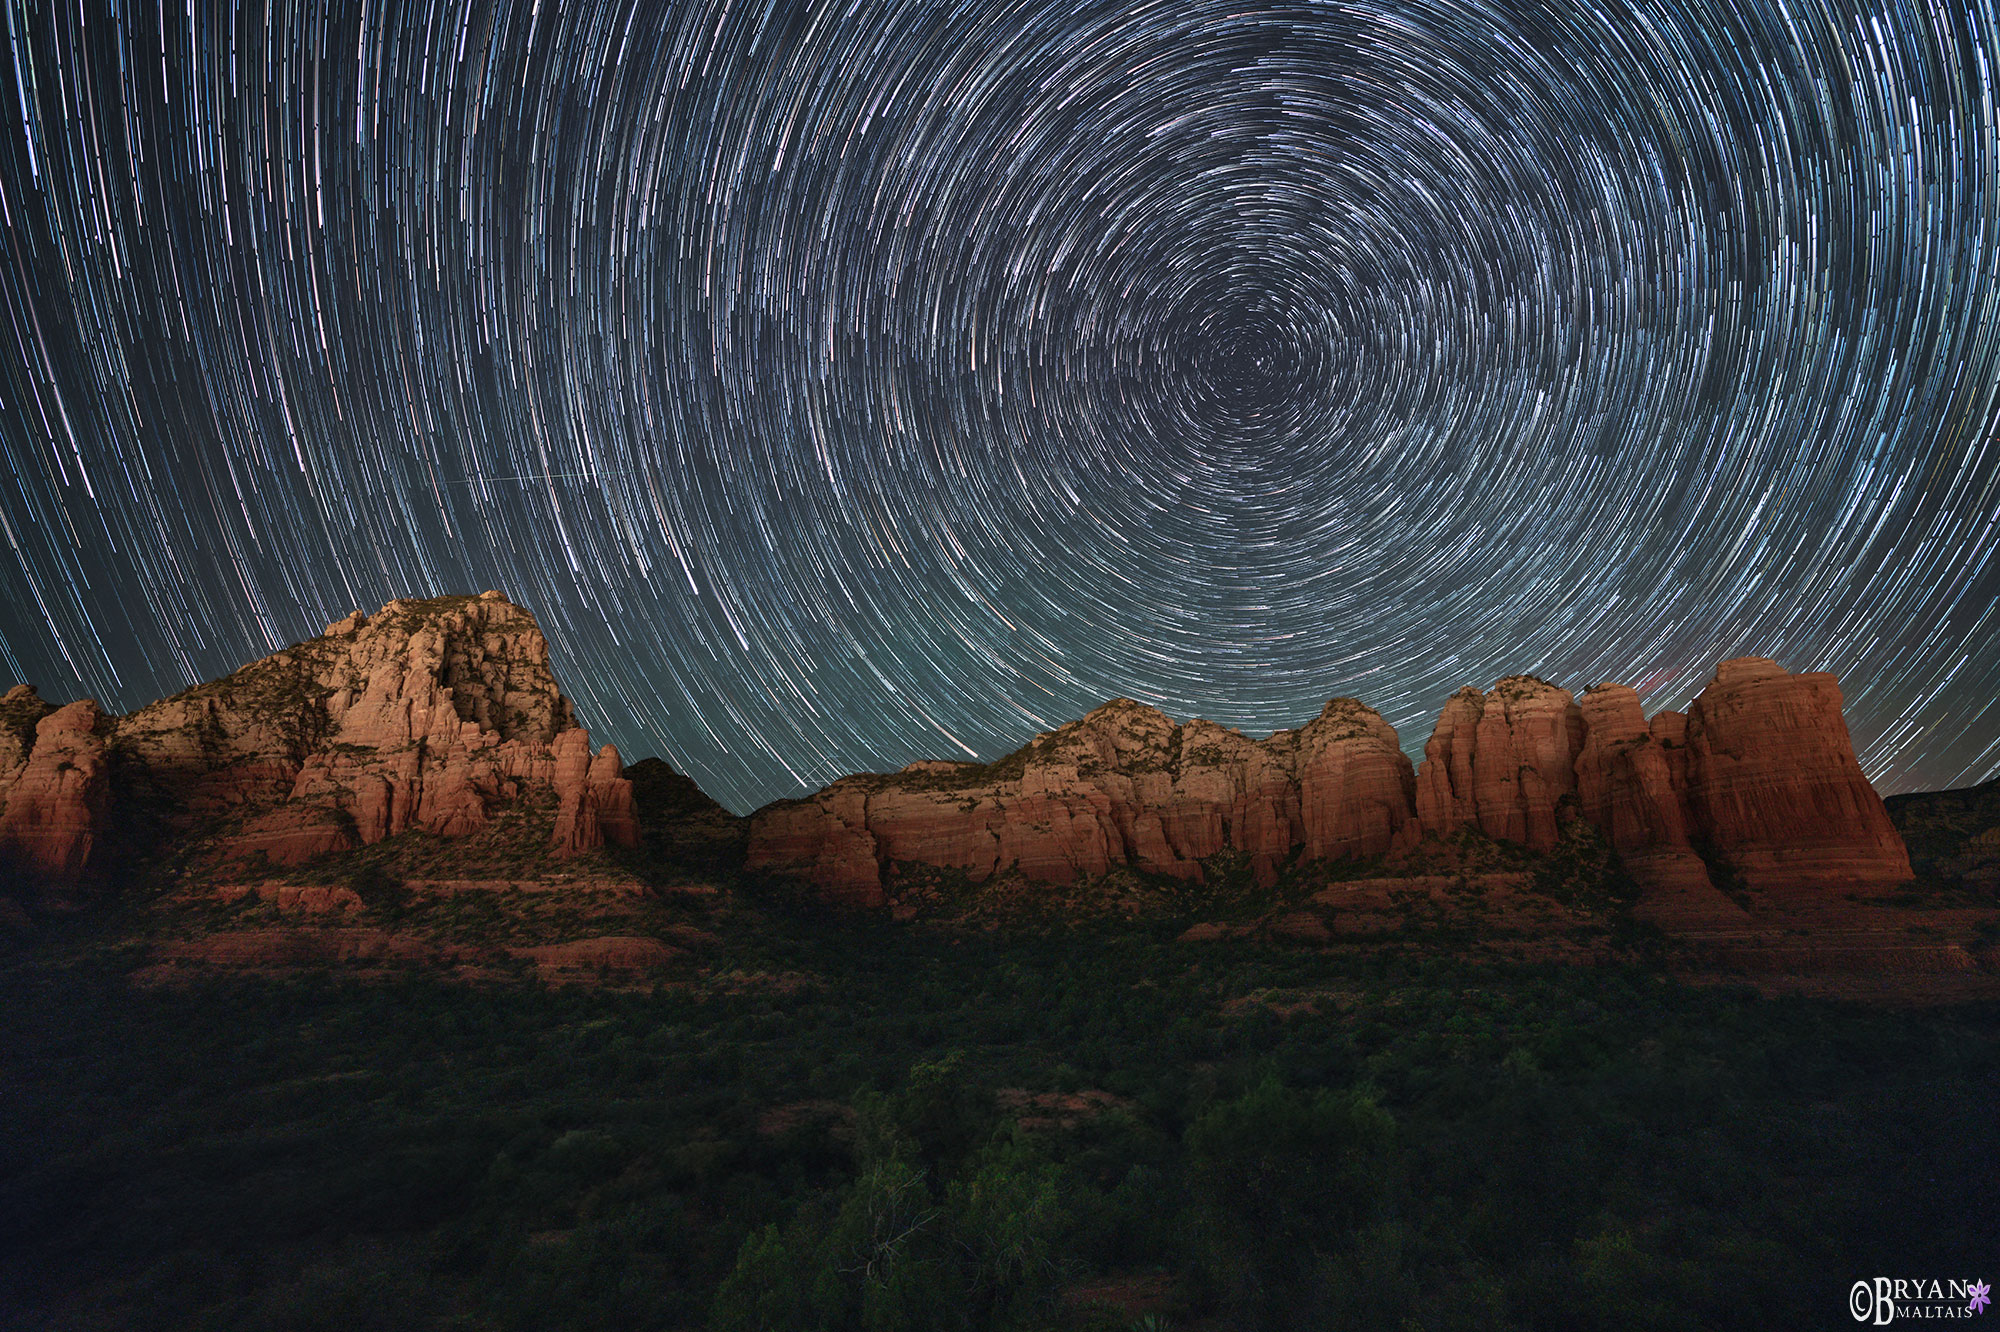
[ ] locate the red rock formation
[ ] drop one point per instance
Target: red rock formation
(54, 819)
(825, 839)
(1625, 787)
(1671, 730)
(1774, 787)
(433, 715)
(1357, 790)
(595, 799)
(1445, 795)
(1762, 767)
(1230, 791)
(1503, 761)
(1123, 786)
(1067, 805)
(20, 711)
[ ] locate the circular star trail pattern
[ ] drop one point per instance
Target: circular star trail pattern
(847, 384)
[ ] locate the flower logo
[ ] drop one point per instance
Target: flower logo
(1979, 1292)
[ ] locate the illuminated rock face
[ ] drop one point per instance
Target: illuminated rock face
(1125, 786)
(1626, 786)
(1502, 761)
(443, 716)
(437, 715)
(55, 787)
(1356, 786)
(1760, 770)
(1773, 786)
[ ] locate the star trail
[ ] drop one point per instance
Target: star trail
(847, 384)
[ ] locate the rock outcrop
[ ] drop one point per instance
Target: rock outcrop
(1502, 761)
(1125, 786)
(1760, 773)
(54, 817)
(594, 795)
(1357, 789)
(1774, 788)
(1625, 786)
(439, 715)
(442, 716)
(1445, 789)
(1623, 783)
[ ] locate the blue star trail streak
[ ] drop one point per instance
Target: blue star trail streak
(851, 383)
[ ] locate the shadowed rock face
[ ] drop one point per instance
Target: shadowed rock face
(1773, 785)
(437, 715)
(1126, 786)
(1123, 786)
(1624, 785)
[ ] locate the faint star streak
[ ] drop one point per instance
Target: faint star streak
(842, 385)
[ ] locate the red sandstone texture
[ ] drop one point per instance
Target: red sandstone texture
(1761, 769)
(1626, 786)
(1124, 786)
(55, 790)
(1773, 785)
(438, 715)
(1502, 761)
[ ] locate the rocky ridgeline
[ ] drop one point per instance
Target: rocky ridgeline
(438, 715)
(1760, 773)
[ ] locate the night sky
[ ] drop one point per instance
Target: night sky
(853, 384)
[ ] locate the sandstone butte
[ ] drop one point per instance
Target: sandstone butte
(1760, 773)
(440, 715)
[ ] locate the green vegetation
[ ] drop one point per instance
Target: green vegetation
(844, 1123)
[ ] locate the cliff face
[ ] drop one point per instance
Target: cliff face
(1123, 786)
(443, 716)
(54, 786)
(438, 715)
(1502, 761)
(1773, 785)
(1761, 769)
(1627, 785)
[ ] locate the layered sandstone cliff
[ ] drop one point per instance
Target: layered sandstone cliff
(1124, 786)
(1503, 761)
(439, 715)
(1627, 787)
(1760, 773)
(54, 786)
(1774, 788)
